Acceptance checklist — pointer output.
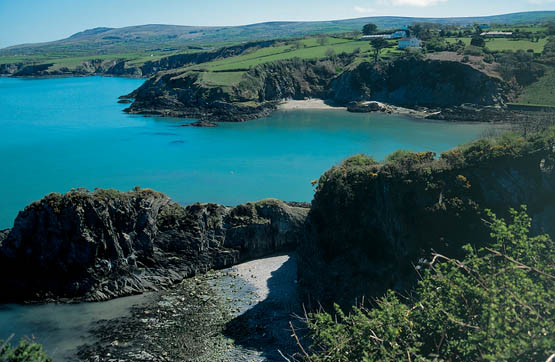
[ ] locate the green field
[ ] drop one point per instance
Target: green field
(453, 40)
(541, 92)
(226, 72)
(499, 44)
(281, 52)
(221, 78)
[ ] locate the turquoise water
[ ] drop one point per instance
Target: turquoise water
(64, 133)
(58, 134)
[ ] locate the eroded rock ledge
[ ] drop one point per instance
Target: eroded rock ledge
(92, 246)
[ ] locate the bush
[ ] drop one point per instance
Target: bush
(473, 50)
(26, 351)
(360, 160)
(397, 155)
(496, 304)
(478, 41)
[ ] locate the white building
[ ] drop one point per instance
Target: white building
(409, 43)
(497, 34)
(396, 35)
(368, 37)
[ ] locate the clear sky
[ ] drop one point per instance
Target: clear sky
(28, 21)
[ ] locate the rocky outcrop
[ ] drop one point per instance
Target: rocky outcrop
(104, 244)
(415, 82)
(184, 94)
(372, 223)
(408, 82)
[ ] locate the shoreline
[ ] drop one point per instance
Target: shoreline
(312, 103)
(238, 313)
(360, 107)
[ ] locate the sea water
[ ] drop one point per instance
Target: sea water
(64, 133)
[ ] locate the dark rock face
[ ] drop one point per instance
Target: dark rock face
(413, 82)
(404, 82)
(183, 95)
(370, 225)
(105, 244)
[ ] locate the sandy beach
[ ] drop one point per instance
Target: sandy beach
(311, 103)
(314, 103)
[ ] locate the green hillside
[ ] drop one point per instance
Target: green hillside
(166, 38)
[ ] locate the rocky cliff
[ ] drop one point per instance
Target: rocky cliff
(184, 94)
(372, 223)
(406, 81)
(414, 82)
(104, 244)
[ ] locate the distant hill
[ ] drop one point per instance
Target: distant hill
(156, 37)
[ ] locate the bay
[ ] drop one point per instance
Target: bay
(64, 133)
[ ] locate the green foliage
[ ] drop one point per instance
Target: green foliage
(496, 304)
(377, 45)
(26, 351)
(507, 145)
(369, 29)
(360, 160)
(478, 41)
(540, 92)
(398, 155)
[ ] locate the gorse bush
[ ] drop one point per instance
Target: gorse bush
(26, 351)
(496, 304)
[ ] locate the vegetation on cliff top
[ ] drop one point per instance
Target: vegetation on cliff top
(488, 300)
(494, 304)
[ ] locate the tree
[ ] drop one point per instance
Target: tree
(322, 40)
(369, 29)
(377, 45)
(478, 41)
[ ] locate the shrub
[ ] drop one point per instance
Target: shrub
(397, 155)
(473, 50)
(496, 304)
(360, 160)
(478, 41)
(26, 351)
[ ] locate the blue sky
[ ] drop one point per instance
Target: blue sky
(26, 21)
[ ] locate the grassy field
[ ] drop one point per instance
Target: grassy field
(465, 40)
(541, 92)
(70, 61)
(499, 44)
(309, 49)
(221, 78)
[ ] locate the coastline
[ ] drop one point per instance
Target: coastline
(239, 313)
(311, 103)
(359, 107)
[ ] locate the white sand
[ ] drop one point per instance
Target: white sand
(307, 104)
(258, 273)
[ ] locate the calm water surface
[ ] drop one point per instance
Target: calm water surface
(58, 134)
